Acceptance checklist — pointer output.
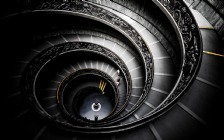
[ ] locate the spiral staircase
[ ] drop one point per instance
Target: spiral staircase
(112, 70)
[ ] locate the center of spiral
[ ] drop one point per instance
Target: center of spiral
(96, 106)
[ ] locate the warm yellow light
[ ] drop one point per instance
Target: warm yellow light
(102, 85)
(212, 53)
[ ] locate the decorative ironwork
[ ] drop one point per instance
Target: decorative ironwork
(192, 46)
(79, 73)
(46, 56)
(108, 17)
(185, 24)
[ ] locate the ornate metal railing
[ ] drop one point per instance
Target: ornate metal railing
(94, 12)
(76, 118)
(186, 29)
(190, 41)
(40, 61)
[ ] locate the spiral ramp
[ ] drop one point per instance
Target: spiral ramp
(116, 70)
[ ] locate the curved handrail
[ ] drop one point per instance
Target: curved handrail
(189, 38)
(41, 60)
(80, 8)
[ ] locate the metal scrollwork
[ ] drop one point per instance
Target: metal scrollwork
(183, 18)
(78, 73)
(104, 15)
(191, 42)
(48, 55)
